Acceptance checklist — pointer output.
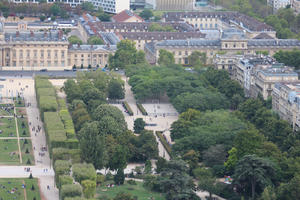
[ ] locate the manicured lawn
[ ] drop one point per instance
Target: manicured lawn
(8, 127)
(6, 110)
(21, 111)
(9, 153)
(29, 155)
(135, 190)
(20, 103)
(23, 127)
(15, 189)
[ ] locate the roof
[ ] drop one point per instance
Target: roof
(192, 42)
(160, 35)
(273, 42)
(76, 47)
(125, 15)
(263, 36)
(31, 36)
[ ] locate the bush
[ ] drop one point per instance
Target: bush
(89, 188)
(127, 108)
(100, 179)
(64, 180)
(70, 190)
(42, 83)
(61, 167)
(131, 182)
(47, 104)
(141, 108)
(62, 104)
(45, 92)
(83, 171)
(66, 154)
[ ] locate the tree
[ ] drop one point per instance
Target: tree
(55, 9)
(74, 40)
(148, 167)
(192, 158)
(126, 54)
(106, 110)
(166, 58)
(214, 155)
(116, 89)
(95, 40)
(160, 164)
(119, 178)
(252, 171)
(89, 188)
(139, 125)
(87, 6)
(232, 160)
(118, 160)
(92, 145)
(197, 59)
(72, 90)
(175, 181)
(268, 194)
(42, 18)
(248, 142)
(146, 14)
(290, 190)
(206, 180)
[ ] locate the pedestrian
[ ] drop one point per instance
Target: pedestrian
(48, 187)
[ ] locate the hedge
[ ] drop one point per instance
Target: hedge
(70, 190)
(77, 198)
(47, 104)
(64, 180)
(52, 121)
(42, 83)
(61, 167)
(141, 108)
(68, 123)
(45, 92)
(66, 154)
(127, 108)
(84, 171)
(62, 104)
(164, 142)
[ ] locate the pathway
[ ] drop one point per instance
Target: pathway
(17, 130)
(42, 163)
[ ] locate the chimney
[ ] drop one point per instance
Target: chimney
(78, 45)
(45, 34)
(60, 34)
(17, 33)
(31, 34)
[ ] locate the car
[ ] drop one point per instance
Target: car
(67, 70)
(74, 69)
(43, 70)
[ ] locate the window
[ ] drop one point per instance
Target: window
(49, 53)
(28, 53)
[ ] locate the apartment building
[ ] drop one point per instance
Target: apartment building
(277, 4)
(110, 6)
(296, 5)
(286, 102)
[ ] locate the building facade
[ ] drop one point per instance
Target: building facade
(277, 4)
(286, 102)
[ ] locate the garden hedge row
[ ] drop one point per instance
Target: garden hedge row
(68, 123)
(61, 167)
(64, 180)
(141, 108)
(70, 190)
(164, 142)
(127, 108)
(84, 171)
(47, 104)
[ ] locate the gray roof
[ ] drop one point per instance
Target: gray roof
(109, 38)
(192, 42)
(273, 42)
(35, 36)
(76, 47)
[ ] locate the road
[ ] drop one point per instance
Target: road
(29, 74)
(11, 86)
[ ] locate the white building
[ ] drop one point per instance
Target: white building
(276, 4)
(110, 6)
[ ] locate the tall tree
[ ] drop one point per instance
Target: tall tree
(252, 171)
(166, 58)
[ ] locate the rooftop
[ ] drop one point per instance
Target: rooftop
(31, 36)
(160, 35)
(125, 15)
(76, 47)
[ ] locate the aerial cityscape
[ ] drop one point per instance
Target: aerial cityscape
(149, 100)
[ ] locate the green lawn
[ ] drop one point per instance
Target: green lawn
(135, 190)
(12, 189)
(8, 127)
(21, 111)
(6, 109)
(29, 155)
(9, 153)
(19, 103)
(23, 130)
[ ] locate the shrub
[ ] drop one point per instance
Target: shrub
(64, 180)
(61, 167)
(127, 108)
(62, 104)
(28, 162)
(66, 154)
(89, 188)
(141, 108)
(100, 179)
(70, 190)
(47, 104)
(83, 171)
(42, 83)
(131, 182)
(45, 92)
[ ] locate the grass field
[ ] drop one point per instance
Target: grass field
(21, 111)
(19, 103)
(23, 130)
(6, 110)
(135, 190)
(8, 127)
(16, 189)
(9, 153)
(29, 155)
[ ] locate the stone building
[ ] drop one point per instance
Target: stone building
(286, 102)
(175, 4)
